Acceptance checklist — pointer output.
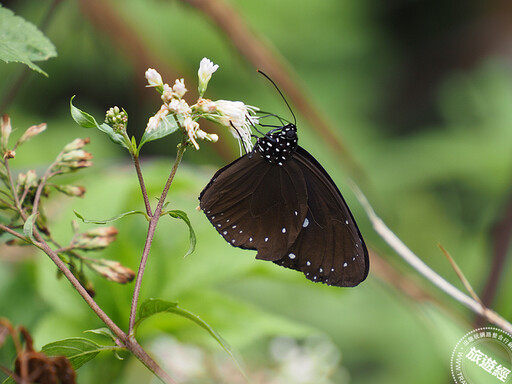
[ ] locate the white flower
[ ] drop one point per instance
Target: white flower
(167, 93)
(192, 128)
(154, 78)
(206, 69)
(237, 116)
(179, 106)
(179, 88)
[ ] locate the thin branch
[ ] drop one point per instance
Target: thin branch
(13, 190)
(151, 231)
(461, 276)
(12, 232)
(130, 343)
(136, 163)
(415, 262)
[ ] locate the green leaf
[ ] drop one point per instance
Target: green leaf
(112, 218)
(177, 214)
(22, 42)
(154, 306)
(103, 332)
(165, 127)
(82, 118)
(86, 120)
(28, 227)
(78, 350)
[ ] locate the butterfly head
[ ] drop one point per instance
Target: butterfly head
(278, 145)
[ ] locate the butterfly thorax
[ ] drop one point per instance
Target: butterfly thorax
(278, 145)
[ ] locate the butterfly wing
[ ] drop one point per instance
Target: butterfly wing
(256, 205)
(329, 247)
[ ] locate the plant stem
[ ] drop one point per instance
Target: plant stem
(13, 190)
(414, 261)
(136, 163)
(149, 238)
(130, 343)
(12, 232)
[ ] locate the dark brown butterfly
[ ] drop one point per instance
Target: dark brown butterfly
(278, 200)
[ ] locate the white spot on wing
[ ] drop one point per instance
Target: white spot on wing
(292, 256)
(306, 222)
(283, 230)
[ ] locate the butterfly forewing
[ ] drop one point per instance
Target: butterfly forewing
(249, 204)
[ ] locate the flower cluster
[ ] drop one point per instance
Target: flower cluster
(235, 115)
(117, 119)
(95, 239)
(73, 157)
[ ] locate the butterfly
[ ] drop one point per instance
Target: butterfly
(278, 200)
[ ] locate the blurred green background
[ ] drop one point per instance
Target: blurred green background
(418, 98)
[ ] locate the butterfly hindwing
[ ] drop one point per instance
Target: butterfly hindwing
(329, 248)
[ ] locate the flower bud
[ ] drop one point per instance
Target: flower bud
(30, 133)
(71, 190)
(179, 88)
(154, 79)
(102, 231)
(206, 106)
(21, 181)
(5, 131)
(212, 137)
(76, 155)
(31, 178)
(113, 271)
(9, 154)
(117, 119)
(206, 69)
(167, 94)
(95, 239)
(76, 144)
(179, 106)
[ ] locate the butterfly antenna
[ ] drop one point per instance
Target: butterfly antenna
(278, 90)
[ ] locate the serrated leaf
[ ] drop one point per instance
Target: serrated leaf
(78, 350)
(152, 307)
(178, 214)
(86, 120)
(87, 221)
(165, 127)
(28, 227)
(21, 41)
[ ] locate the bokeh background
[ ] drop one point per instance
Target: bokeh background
(410, 99)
